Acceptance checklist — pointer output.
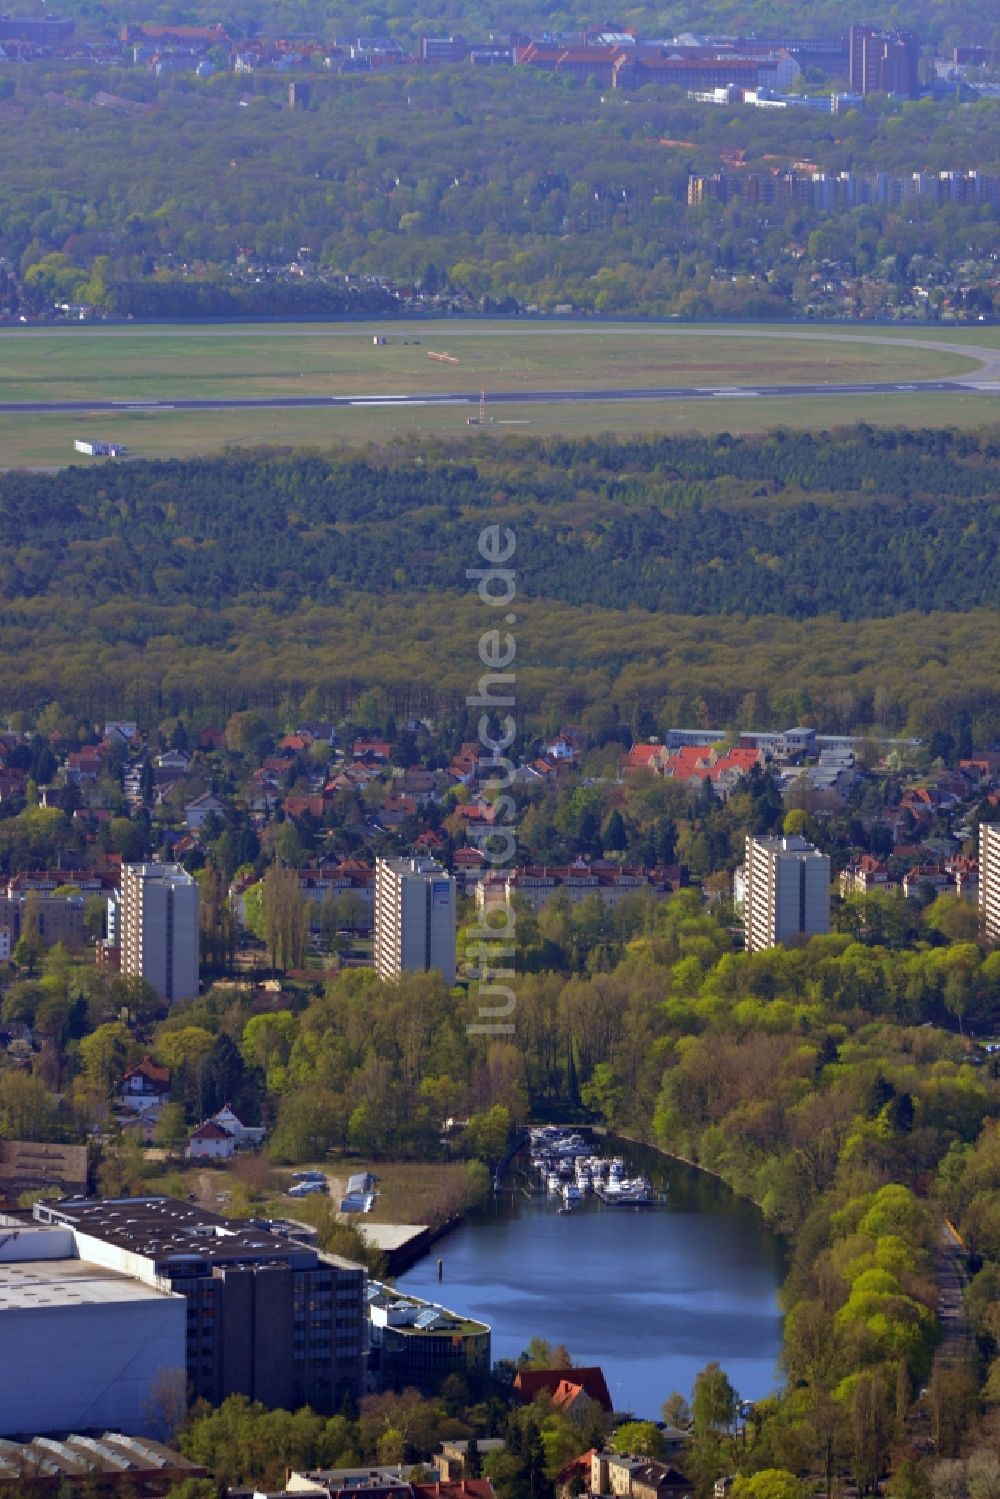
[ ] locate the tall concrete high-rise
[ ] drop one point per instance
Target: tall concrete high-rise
(158, 928)
(414, 918)
(883, 61)
(989, 879)
(787, 899)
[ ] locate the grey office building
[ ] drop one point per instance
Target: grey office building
(268, 1316)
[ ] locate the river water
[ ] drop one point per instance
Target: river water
(650, 1294)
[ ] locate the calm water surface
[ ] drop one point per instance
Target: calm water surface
(652, 1295)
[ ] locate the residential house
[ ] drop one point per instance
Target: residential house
(294, 744)
(451, 1459)
(924, 876)
(575, 1477)
(144, 1084)
(430, 841)
(174, 759)
(246, 1136)
(420, 784)
(321, 733)
(303, 806)
(468, 866)
(965, 873)
(652, 756)
(465, 764)
(210, 1142)
(121, 731)
(142, 1127)
(84, 765)
(636, 1477)
(530, 1383)
(864, 874)
(204, 806)
(377, 750)
(563, 746)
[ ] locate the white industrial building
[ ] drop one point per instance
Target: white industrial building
(82, 1346)
(786, 892)
(157, 928)
(414, 918)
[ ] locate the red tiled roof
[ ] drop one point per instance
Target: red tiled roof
(529, 1383)
(149, 1069)
(581, 1465)
(210, 1131)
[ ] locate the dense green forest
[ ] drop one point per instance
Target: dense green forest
(698, 580)
(958, 19)
(516, 186)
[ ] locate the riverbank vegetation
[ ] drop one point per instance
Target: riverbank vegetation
(714, 580)
(829, 1084)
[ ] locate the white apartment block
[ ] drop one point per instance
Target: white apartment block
(158, 935)
(414, 918)
(787, 885)
(989, 879)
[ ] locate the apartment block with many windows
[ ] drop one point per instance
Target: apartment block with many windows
(157, 928)
(414, 918)
(989, 879)
(787, 892)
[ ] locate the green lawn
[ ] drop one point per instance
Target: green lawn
(125, 363)
(163, 364)
(47, 441)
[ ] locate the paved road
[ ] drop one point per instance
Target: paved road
(514, 397)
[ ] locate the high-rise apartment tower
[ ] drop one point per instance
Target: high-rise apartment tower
(989, 879)
(787, 892)
(414, 918)
(158, 928)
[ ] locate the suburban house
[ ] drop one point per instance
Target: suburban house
(246, 1136)
(864, 874)
(568, 1384)
(210, 1142)
(628, 1477)
(175, 760)
(451, 1459)
(202, 807)
(145, 1084)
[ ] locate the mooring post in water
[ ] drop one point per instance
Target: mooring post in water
(440, 1269)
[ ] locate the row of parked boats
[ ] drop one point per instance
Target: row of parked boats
(568, 1170)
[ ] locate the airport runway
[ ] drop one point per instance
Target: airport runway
(971, 386)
